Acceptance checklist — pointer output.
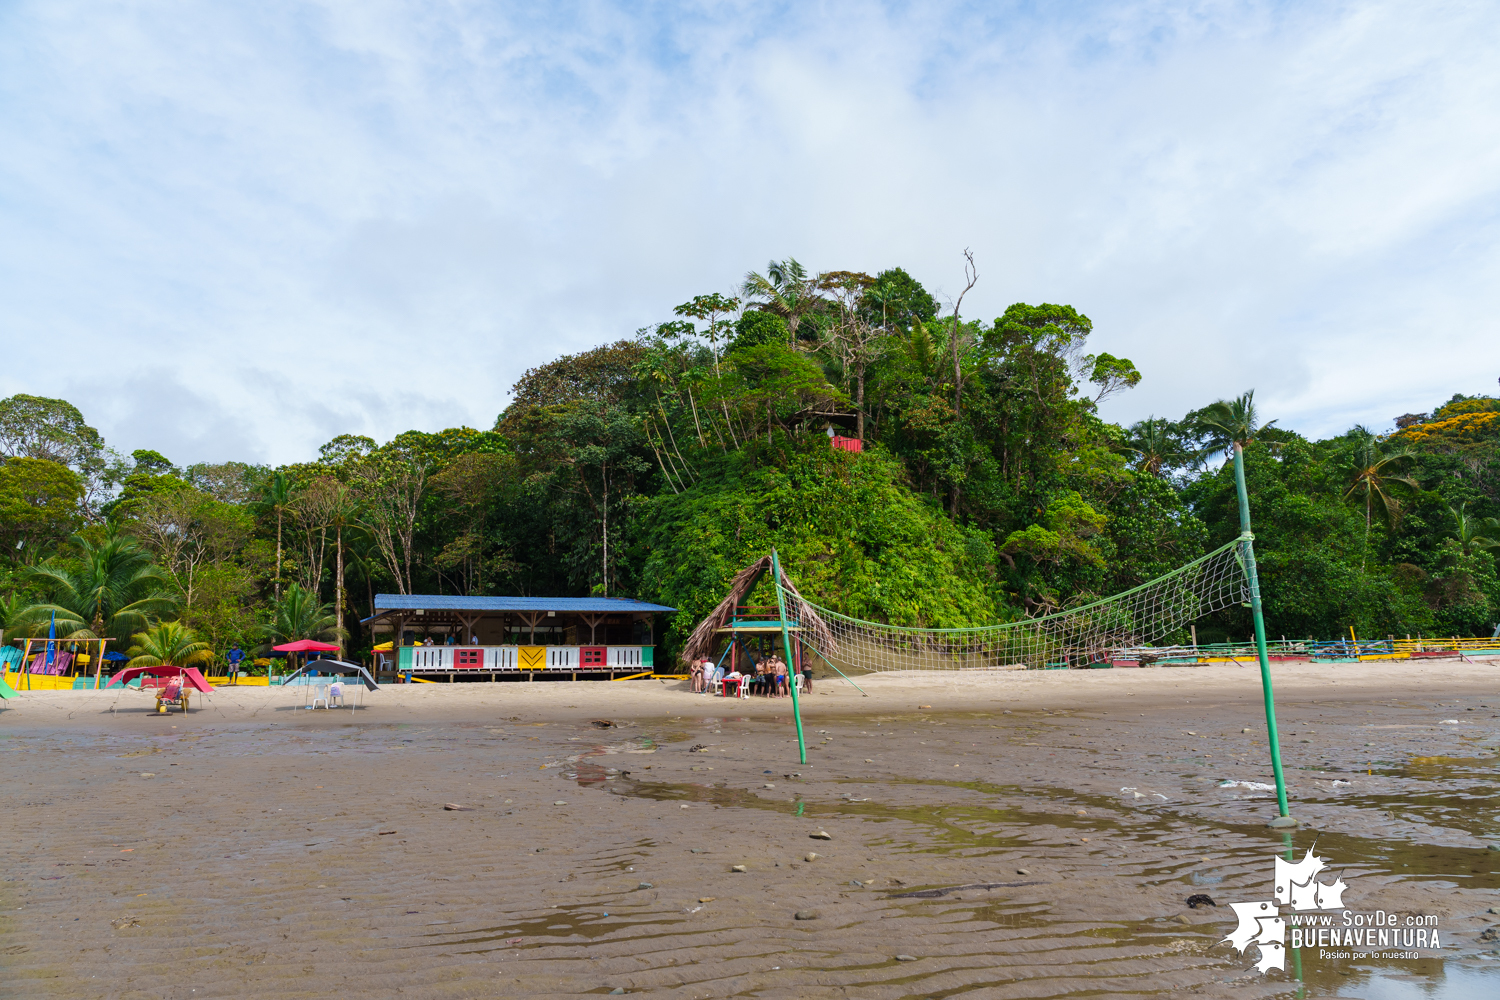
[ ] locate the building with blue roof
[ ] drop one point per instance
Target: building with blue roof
(515, 637)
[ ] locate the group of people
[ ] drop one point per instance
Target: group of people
(768, 676)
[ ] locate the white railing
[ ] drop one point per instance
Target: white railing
(624, 656)
(498, 658)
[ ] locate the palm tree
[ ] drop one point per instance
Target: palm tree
(112, 590)
(1231, 425)
(168, 644)
(364, 562)
(786, 289)
(1475, 534)
(1155, 443)
(1377, 466)
(298, 615)
(275, 498)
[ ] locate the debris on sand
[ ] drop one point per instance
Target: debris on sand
(820, 835)
(805, 915)
(1198, 899)
(602, 724)
(456, 808)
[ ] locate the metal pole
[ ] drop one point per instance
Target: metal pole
(786, 642)
(1247, 543)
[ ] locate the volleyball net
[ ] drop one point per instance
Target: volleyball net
(1091, 633)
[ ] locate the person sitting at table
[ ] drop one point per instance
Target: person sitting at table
(733, 677)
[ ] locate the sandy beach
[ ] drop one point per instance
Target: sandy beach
(1055, 821)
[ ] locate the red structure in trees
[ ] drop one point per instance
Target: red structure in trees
(848, 444)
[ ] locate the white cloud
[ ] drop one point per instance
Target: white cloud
(234, 231)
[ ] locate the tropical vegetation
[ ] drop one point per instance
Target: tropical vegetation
(974, 482)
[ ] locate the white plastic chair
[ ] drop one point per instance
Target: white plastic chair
(316, 691)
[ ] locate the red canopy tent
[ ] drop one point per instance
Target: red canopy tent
(306, 646)
(190, 676)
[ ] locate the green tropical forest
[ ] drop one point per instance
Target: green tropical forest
(911, 464)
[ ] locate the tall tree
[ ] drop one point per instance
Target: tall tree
(787, 290)
(855, 337)
(1157, 446)
(39, 505)
(708, 309)
(53, 430)
(111, 590)
(276, 497)
(471, 484)
(600, 445)
(1376, 467)
(390, 484)
(1229, 425)
(188, 529)
(971, 278)
(299, 615)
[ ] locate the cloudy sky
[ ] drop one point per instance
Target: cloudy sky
(234, 230)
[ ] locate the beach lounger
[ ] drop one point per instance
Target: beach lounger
(179, 699)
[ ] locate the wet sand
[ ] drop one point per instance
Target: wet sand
(253, 849)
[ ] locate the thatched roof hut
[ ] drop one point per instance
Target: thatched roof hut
(812, 629)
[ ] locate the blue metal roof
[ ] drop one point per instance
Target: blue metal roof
(590, 605)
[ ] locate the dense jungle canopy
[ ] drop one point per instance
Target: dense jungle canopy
(987, 489)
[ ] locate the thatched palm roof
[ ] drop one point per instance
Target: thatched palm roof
(815, 632)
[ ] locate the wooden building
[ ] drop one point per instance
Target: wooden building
(512, 637)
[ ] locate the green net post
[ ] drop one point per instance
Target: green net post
(786, 642)
(1247, 540)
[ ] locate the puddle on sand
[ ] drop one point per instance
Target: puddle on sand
(975, 829)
